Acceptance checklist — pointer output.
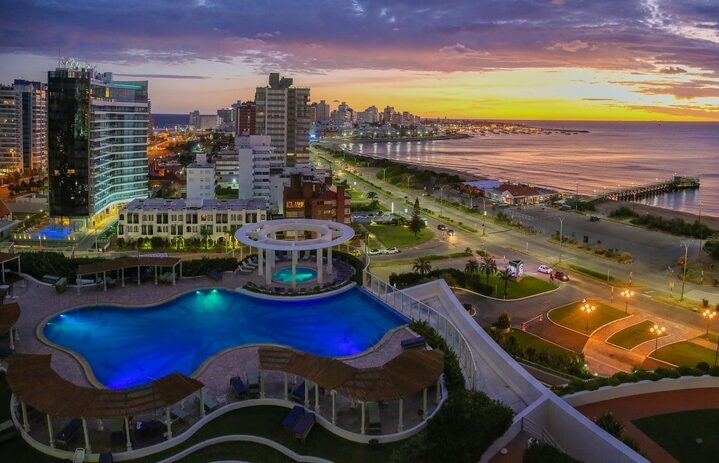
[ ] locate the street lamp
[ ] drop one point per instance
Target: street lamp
(684, 272)
(588, 309)
(561, 236)
(626, 294)
(658, 332)
(709, 316)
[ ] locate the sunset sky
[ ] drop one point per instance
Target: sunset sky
(503, 59)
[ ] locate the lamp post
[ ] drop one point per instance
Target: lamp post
(709, 316)
(658, 332)
(561, 236)
(588, 309)
(626, 294)
(684, 272)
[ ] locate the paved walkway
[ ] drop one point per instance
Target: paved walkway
(631, 408)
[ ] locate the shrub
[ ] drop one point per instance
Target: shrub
(199, 267)
(609, 423)
(703, 367)
(42, 263)
(453, 376)
(504, 321)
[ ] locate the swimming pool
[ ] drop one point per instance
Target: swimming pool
(302, 275)
(131, 346)
(53, 232)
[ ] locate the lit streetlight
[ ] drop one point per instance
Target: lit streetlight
(588, 309)
(709, 316)
(658, 332)
(626, 294)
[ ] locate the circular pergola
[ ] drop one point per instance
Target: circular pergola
(325, 234)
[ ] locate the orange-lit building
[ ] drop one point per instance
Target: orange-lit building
(315, 199)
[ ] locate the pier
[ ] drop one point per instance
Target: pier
(675, 183)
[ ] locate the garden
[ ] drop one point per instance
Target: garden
(573, 317)
(685, 353)
(690, 436)
(631, 336)
(399, 236)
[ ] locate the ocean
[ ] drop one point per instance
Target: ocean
(611, 154)
(169, 121)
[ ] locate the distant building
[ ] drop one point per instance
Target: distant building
(187, 219)
(322, 112)
(33, 98)
(226, 117)
(313, 199)
(204, 121)
(388, 114)
(245, 118)
(262, 170)
(227, 169)
(282, 113)
(10, 130)
(97, 142)
(369, 116)
(507, 193)
(200, 178)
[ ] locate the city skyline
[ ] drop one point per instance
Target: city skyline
(555, 59)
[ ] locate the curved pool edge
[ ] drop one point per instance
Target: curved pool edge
(90, 374)
(306, 297)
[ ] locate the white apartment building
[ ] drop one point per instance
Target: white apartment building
(227, 169)
(10, 130)
(368, 116)
(187, 219)
(200, 178)
(33, 98)
(261, 169)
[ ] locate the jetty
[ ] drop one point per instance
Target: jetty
(676, 183)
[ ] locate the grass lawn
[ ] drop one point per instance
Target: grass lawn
(685, 353)
(398, 236)
(677, 433)
(571, 316)
(634, 335)
(525, 340)
(245, 451)
(354, 194)
(527, 286)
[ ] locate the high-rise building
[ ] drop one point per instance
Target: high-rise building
(226, 119)
(245, 119)
(283, 114)
(388, 115)
(97, 142)
(323, 111)
(368, 116)
(200, 178)
(262, 170)
(33, 99)
(10, 130)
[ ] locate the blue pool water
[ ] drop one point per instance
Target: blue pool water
(131, 346)
(302, 274)
(53, 232)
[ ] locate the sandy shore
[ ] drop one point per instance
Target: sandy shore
(606, 206)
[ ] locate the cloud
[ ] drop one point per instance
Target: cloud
(672, 70)
(163, 76)
(571, 47)
(457, 49)
(697, 88)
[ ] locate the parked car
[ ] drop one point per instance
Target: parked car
(374, 252)
(545, 269)
(561, 276)
(593, 218)
(392, 250)
(450, 232)
(442, 227)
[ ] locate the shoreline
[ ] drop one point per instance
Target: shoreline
(457, 136)
(603, 206)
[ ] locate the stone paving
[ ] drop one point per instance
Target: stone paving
(38, 302)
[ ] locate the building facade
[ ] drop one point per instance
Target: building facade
(245, 118)
(97, 142)
(33, 98)
(227, 169)
(10, 130)
(323, 112)
(313, 199)
(282, 113)
(187, 219)
(200, 178)
(261, 170)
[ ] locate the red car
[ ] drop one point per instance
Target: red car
(561, 276)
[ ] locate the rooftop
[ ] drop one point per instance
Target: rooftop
(200, 205)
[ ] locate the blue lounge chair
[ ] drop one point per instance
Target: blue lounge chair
(238, 387)
(413, 343)
(69, 432)
(298, 393)
(291, 419)
(303, 427)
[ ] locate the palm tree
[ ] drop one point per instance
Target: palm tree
(488, 266)
(422, 265)
(505, 275)
(471, 267)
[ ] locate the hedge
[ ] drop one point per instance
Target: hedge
(453, 376)
(42, 263)
(200, 267)
(453, 277)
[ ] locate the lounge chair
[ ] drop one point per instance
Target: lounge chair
(374, 422)
(238, 387)
(304, 425)
(253, 382)
(210, 403)
(68, 433)
(78, 456)
(179, 413)
(166, 277)
(413, 343)
(295, 414)
(61, 285)
(298, 392)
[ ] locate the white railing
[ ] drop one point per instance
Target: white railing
(419, 311)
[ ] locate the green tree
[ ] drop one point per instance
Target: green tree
(372, 196)
(505, 275)
(422, 265)
(488, 266)
(471, 267)
(417, 224)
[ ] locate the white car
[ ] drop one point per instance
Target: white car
(544, 269)
(391, 250)
(374, 252)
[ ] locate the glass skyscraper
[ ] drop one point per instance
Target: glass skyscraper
(97, 142)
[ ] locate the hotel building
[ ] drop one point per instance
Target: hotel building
(314, 199)
(97, 142)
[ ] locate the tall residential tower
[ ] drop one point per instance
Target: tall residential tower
(97, 142)
(33, 98)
